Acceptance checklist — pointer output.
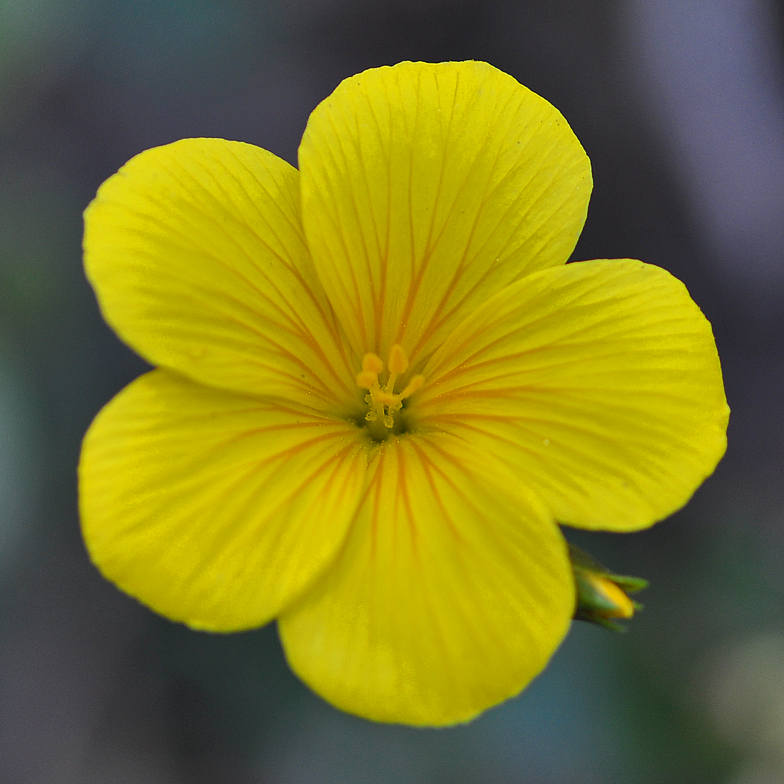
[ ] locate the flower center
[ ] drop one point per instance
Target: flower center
(384, 402)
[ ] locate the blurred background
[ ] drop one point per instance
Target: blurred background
(680, 105)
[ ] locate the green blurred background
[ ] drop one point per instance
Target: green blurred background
(680, 105)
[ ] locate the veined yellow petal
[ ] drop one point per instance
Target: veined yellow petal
(451, 593)
(212, 508)
(197, 256)
(599, 385)
(426, 188)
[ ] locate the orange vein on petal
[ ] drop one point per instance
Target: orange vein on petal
(434, 322)
(338, 231)
(430, 466)
(379, 296)
(374, 295)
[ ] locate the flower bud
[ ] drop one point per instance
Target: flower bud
(602, 597)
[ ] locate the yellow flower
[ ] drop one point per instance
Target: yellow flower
(379, 387)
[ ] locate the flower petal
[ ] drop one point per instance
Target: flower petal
(196, 254)
(452, 592)
(597, 382)
(212, 508)
(426, 188)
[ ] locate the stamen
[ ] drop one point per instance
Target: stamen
(372, 363)
(371, 367)
(384, 403)
(398, 361)
(366, 379)
(412, 386)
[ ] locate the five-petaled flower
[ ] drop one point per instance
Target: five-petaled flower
(380, 389)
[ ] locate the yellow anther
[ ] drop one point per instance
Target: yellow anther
(372, 363)
(412, 386)
(366, 379)
(398, 361)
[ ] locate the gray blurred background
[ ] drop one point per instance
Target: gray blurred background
(680, 105)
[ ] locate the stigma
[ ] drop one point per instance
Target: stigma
(383, 402)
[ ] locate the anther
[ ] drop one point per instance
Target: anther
(372, 363)
(398, 361)
(412, 386)
(371, 367)
(366, 379)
